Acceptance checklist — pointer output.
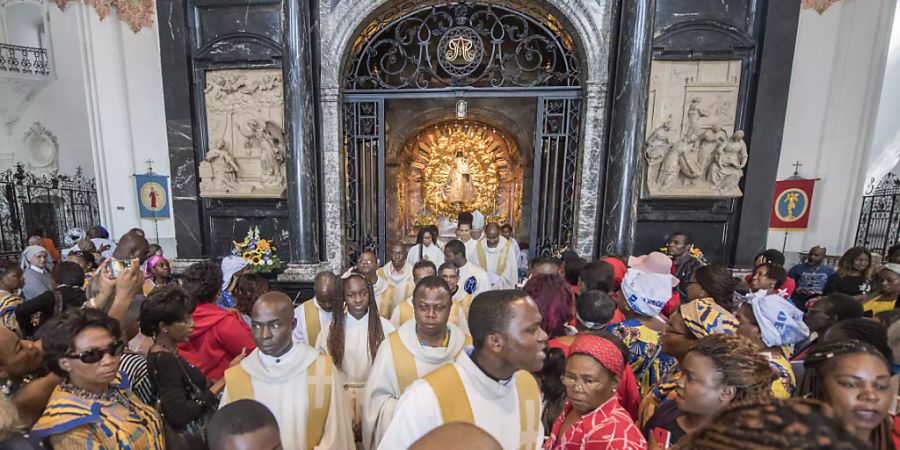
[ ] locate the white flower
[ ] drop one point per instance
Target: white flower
(269, 262)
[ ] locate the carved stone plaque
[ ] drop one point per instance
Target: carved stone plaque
(246, 156)
(692, 148)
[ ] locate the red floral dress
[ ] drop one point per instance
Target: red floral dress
(609, 427)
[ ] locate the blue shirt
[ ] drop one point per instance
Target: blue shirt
(809, 277)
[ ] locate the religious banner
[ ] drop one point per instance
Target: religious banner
(793, 198)
(153, 196)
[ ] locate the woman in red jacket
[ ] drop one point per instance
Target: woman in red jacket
(219, 334)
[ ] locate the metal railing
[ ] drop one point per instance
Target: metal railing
(879, 217)
(24, 60)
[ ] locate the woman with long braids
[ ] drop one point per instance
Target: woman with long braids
(353, 338)
(426, 248)
(718, 370)
(854, 378)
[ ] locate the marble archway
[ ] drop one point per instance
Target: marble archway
(588, 22)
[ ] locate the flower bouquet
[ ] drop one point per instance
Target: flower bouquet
(260, 253)
(695, 252)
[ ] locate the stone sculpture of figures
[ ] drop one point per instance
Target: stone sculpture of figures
(253, 132)
(710, 140)
(728, 163)
(658, 145)
(272, 154)
(225, 168)
(671, 163)
(694, 115)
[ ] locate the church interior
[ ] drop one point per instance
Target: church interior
(341, 126)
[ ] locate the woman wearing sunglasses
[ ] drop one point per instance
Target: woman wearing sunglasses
(93, 408)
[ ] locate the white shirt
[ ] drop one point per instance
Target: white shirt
(280, 383)
(495, 408)
(301, 334)
(383, 388)
(356, 362)
(432, 253)
(471, 246)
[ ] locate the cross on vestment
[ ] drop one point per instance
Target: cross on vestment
(319, 380)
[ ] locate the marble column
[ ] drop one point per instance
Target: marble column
(627, 124)
(300, 133)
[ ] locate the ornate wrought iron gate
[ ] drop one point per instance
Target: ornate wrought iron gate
(463, 49)
(879, 218)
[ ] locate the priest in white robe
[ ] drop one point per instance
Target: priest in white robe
(490, 387)
(314, 315)
(495, 254)
(414, 350)
(426, 248)
(300, 387)
(472, 278)
(421, 270)
(395, 281)
(521, 257)
(464, 235)
(357, 334)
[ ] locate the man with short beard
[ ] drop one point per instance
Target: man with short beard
(489, 386)
(299, 386)
(496, 255)
(314, 315)
(395, 281)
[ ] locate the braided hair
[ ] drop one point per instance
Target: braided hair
(773, 425)
(739, 364)
(822, 358)
(336, 337)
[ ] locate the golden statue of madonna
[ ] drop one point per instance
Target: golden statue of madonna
(459, 187)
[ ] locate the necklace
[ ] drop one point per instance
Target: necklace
(111, 395)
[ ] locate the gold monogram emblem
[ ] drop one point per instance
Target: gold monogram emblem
(461, 47)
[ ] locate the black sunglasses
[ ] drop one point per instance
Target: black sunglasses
(94, 355)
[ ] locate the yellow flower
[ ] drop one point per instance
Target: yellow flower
(246, 255)
(255, 260)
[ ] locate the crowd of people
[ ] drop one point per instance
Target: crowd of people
(464, 344)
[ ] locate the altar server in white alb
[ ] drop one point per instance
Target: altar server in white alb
(395, 281)
(414, 350)
(353, 338)
(464, 234)
(496, 255)
(489, 386)
(314, 315)
(473, 279)
(301, 387)
(426, 249)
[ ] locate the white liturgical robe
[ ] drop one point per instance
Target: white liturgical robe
(499, 262)
(383, 388)
(473, 279)
(431, 253)
(392, 288)
(495, 409)
(356, 363)
(282, 384)
(471, 245)
(321, 321)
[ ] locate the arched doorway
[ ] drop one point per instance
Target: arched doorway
(445, 56)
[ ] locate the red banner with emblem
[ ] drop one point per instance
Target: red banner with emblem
(791, 208)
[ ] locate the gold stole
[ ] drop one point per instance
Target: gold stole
(406, 312)
(312, 323)
(447, 386)
(386, 299)
(466, 304)
(501, 261)
(318, 399)
(405, 361)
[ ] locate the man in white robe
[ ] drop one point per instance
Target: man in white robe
(472, 278)
(521, 257)
(395, 281)
(314, 315)
(489, 386)
(356, 360)
(301, 388)
(464, 234)
(496, 255)
(404, 310)
(462, 300)
(414, 350)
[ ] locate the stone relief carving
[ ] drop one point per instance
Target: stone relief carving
(42, 147)
(692, 149)
(246, 155)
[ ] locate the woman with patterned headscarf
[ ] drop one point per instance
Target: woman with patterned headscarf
(158, 273)
(232, 267)
(692, 321)
(646, 288)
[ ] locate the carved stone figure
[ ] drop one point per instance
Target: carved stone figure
(728, 164)
(244, 111)
(223, 169)
(658, 145)
(694, 114)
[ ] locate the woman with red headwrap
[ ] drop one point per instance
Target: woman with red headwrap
(592, 418)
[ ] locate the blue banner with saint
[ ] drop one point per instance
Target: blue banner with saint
(153, 196)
